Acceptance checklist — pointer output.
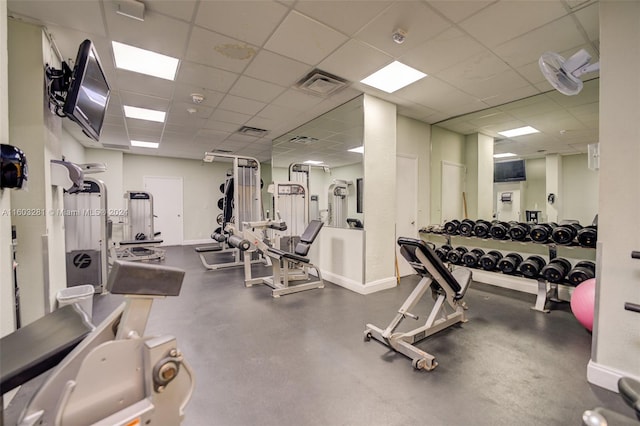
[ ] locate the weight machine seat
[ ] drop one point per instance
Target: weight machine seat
(302, 248)
(458, 281)
(40, 346)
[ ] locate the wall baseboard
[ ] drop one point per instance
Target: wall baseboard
(357, 287)
(605, 377)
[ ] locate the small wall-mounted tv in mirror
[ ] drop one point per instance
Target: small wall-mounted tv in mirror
(88, 94)
(509, 171)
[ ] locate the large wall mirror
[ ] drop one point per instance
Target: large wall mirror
(567, 126)
(326, 154)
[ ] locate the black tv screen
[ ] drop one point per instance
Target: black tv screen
(509, 171)
(89, 92)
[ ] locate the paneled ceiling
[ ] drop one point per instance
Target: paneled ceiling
(479, 56)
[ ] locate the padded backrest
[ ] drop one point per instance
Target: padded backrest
(307, 237)
(311, 232)
(409, 248)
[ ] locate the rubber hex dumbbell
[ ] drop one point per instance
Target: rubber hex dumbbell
(489, 261)
(451, 227)
(442, 251)
(531, 266)
(466, 227)
(556, 270)
(481, 228)
(220, 203)
(519, 231)
(583, 271)
(471, 258)
(541, 233)
(455, 256)
(588, 236)
(565, 234)
(509, 264)
(500, 230)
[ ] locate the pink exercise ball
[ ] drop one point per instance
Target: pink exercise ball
(583, 301)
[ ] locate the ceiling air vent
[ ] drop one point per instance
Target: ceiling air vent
(252, 131)
(321, 83)
(303, 140)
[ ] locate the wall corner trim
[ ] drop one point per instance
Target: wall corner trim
(605, 377)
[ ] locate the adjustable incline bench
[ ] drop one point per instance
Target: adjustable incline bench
(289, 268)
(108, 375)
(447, 289)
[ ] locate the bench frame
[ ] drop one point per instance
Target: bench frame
(449, 308)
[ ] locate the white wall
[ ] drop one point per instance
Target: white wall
(72, 150)
(200, 191)
(479, 178)
(445, 146)
(413, 139)
(7, 321)
(616, 333)
(379, 187)
(579, 189)
(534, 188)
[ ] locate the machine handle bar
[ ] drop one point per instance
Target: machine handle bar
(633, 307)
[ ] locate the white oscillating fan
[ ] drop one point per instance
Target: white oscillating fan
(564, 74)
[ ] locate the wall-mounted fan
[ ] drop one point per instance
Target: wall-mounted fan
(564, 74)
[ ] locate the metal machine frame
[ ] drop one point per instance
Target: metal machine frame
(247, 207)
(448, 308)
(138, 221)
(115, 375)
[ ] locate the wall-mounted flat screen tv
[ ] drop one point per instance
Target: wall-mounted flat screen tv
(509, 171)
(89, 92)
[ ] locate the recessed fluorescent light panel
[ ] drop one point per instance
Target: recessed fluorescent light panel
(313, 162)
(520, 131)
(144, 61)
(144, 114)
(393, 77)
(141, 144)
(359, 149)
(504, 155)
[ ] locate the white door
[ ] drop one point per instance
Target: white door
(406, 206)
(453, 177)
(167, 207)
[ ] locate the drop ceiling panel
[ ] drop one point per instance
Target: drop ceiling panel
(345, 16)
(504, 82)
(221, 126)
(458, 10)
(425, 91)
(296, 100)
(419, 21)
(304, 39)
(277, 69)
(230, 116)
(146, 135)
(216, 50)
(58, 13)
(505, 20)
(511, 96)
(181, 9)
(144, 126)
(557, 36)
(443, 51)
(144, 101)
(183, 92)
(206, 77)
(157, 33)
(242, 105)
(179, 112)
(355, 60)
(589, 19)
(252, 21)
(276, 112)
(132, 82)
(474, 70)
(261, 123)
(252, 88)
(211, 136)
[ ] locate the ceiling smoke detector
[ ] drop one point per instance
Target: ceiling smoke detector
(399, 36)
(197, 98)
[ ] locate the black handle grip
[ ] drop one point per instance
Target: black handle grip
(634, 307)
(635, 254)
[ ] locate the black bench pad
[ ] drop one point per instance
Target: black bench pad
(40, 346)
(140, 242)
(288, 255)
(208, 249)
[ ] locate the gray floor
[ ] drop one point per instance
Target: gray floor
(301, 359)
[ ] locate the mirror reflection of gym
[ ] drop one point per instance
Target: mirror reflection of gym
(326, 155)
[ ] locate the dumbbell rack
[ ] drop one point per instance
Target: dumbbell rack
(545, 291)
